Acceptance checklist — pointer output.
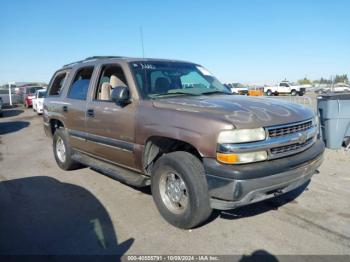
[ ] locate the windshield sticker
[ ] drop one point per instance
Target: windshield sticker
(204, 71)
(144, 66)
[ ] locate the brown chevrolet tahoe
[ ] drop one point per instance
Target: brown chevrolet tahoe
(173, 126)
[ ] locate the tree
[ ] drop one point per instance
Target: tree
(304, 81)
(341, 79)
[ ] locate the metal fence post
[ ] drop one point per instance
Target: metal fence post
(10, 94)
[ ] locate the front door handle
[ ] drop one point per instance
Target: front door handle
(65, 108)
(90, 113)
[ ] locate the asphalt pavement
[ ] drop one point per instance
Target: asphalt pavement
(45, 210)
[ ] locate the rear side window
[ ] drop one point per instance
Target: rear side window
(57, 84)
(80, 85)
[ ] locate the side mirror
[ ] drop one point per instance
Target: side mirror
(120, 95)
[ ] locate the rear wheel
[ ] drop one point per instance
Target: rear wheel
(180, 190)
(62, 150)
(269, 92)
(293, 92)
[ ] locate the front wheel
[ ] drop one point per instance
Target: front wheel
(180, 190)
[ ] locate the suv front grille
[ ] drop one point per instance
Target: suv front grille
(290, 148)
(287, 130)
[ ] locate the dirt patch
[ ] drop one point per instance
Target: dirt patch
(344, 215)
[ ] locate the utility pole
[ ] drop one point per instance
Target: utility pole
(10, 94)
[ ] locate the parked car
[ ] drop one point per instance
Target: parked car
(237, 88)
(27, 93)
(340, 87)
(1, 105)
(38, 101)
(172, 125)
(337, 88)
(285, 87)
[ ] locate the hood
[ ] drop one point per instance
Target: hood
(241, 111)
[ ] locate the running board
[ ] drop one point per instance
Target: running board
(121, 174)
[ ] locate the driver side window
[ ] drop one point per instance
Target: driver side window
(110, 77)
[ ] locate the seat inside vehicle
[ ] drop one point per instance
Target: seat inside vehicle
(111, 77)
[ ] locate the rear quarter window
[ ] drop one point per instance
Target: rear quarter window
(57, 84)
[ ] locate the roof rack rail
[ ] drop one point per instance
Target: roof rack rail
(91, 58)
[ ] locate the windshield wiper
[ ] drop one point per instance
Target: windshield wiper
(216, 91)
(171, 94)
(190, 92)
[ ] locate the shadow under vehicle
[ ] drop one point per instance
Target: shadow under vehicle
(43, 216)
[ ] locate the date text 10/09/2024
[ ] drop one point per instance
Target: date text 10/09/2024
(173, 258)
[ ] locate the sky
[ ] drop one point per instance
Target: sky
(248, 41)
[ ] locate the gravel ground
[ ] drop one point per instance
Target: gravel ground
(45, 210)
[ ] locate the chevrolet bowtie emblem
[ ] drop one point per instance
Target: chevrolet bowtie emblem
(302, 137)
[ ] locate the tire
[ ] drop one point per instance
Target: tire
(193, 189)
(346, 141)
(64, 161)
(269, 93)
(293, 92)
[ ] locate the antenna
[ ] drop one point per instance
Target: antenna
(143, 48)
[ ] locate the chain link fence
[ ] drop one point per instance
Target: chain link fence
(308, 101)
(4, 95)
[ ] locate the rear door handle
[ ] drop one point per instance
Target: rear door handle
(65, 108)
(90, 113)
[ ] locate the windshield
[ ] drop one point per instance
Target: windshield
(32, 90)
(41, 94)
(164, 79)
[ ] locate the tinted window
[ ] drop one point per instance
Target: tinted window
(57, 84)
(41, 94)
(32, 90)
(80, 84)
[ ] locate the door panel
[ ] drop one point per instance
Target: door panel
(74, 107)
(112, 132)
(74, 112)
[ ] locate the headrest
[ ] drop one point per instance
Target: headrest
(115, 81)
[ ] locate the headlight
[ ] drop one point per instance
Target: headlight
(241, 136)
(316, 123)
(241, 158)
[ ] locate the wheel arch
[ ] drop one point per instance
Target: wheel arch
(156, 146)
(54, 124)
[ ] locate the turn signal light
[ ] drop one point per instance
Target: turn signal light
(241, 158)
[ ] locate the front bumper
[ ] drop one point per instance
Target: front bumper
(39, 109)
(29, 101)
(231, 186)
